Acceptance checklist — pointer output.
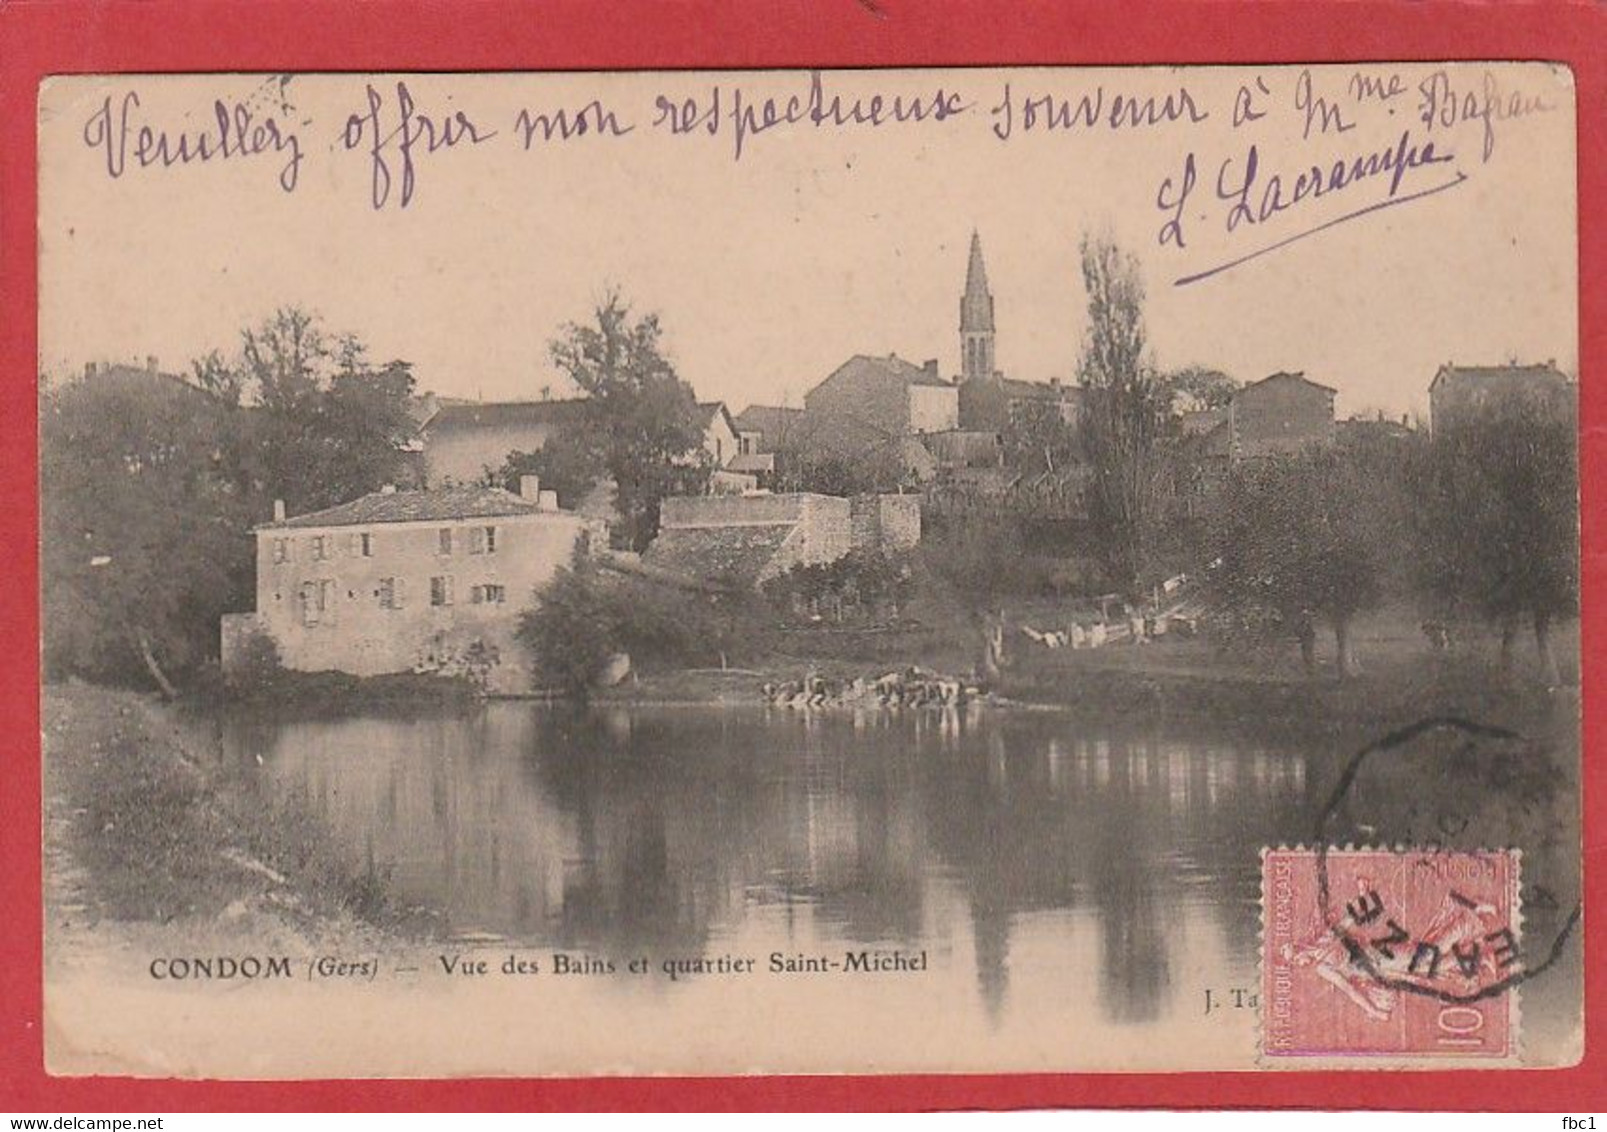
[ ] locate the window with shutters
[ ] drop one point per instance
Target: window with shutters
(281, 550)
(320, 547)
(446, 540)
(387, 593)
(441, 590)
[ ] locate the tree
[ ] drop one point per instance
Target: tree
(585, 616)
(1199, 387)
(144, 542)
(1294, 540)
(315, 424)
(1498, 521)
(567, 462)
(641, 422)
(1124, 415)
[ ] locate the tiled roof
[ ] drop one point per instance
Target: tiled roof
(735, 554)
(772, 420)
(1198, 422)
(1300, 377)
(892, 367)
(752, 462)
(1490, 377)
(1018, 389)
(475, 414)
(444, 504)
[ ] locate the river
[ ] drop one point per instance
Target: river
(1049, 868)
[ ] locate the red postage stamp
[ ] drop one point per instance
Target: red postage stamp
(1390, 953)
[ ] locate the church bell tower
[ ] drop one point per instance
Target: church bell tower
(976, 318)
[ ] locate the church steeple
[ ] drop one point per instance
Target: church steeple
(976, 317)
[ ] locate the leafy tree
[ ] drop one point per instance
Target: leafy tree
(1498, 521)
(567, 462)
(315, 423)
(641, 421)
(144, 543)
(1199, 387)
(1124, 415)
(1038, 439)
(585, 615)
(1294, 540)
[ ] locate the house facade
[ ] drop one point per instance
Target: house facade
(462, 440)
(1278, 415)
(743, 542)
(888, 396)
(1460, 391)
(409, 581)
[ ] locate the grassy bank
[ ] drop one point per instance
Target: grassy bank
(146, 826)
(1400, 678)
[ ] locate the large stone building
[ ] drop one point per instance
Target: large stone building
(888, 397)
(408, 581)
(1458, 391)
(745, 541)
(1277, 415)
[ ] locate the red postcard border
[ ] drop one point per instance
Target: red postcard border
(45, 37)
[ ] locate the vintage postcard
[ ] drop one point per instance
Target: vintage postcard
(880, 571)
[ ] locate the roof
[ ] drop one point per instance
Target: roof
(773, 419)
(443, 504)
(976, 305)
(709, 411)
(1492, 377)
(737, 554)
(863, 367)
(1285, 376)
(752, 462)
(156, 379)
(477, 414)
(1017, 389)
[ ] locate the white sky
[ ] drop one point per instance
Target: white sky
(819, 243)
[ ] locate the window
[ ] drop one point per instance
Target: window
(441, 590)
(362, 544)
(320, 547)
(482, 540)
(281, 550)
(387, 593)
(446, 540)
(315, 600)
(488, 595)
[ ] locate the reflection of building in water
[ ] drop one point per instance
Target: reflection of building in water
(1056, 847)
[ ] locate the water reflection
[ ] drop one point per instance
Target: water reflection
(1038, 856)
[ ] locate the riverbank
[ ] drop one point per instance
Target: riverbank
(150, 838)
(1400, 678)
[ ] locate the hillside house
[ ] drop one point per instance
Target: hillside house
(742, 542)
(463, 440)
(1277, 415)
(1457, 391)
(887, 396)
(408, 581)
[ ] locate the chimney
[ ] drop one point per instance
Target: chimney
(930, 366)
(387, 489)
(1406, 421)
(278, 510)
(1054, 383)
(150, 363)
(89, 369)
(548, 501)
(530, 488)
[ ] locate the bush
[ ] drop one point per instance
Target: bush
(860, 585)
(585, 616)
